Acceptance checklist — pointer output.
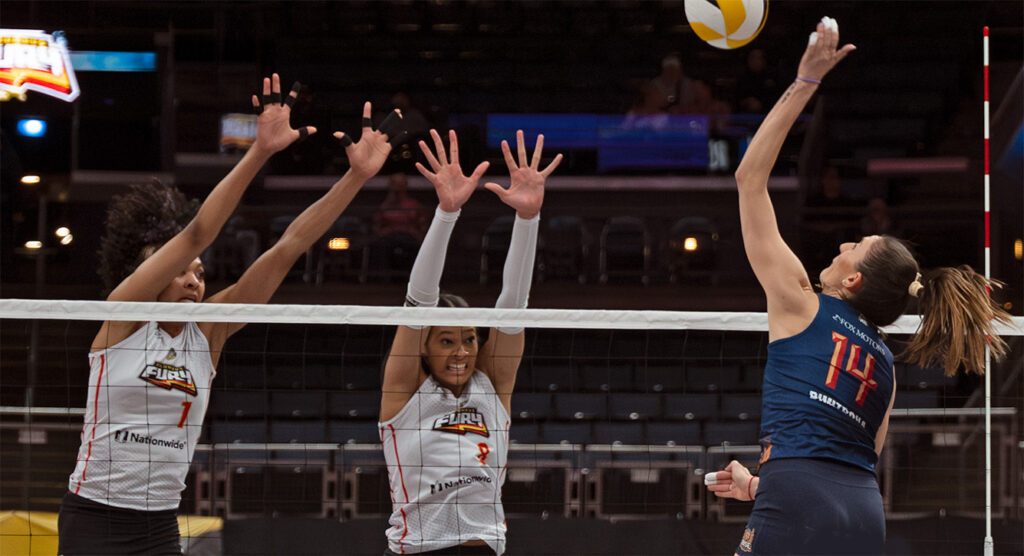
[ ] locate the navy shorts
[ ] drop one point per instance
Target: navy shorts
(815, 506)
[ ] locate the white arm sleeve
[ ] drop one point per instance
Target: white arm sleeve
(518, 273)
(425, 278)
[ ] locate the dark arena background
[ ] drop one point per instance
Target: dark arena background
(613, 429)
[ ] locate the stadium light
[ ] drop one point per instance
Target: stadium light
(63, 231)
(30, 179)
(338, 244)
(32, 127)
(66, 240)
(690, 244)
(33, 244)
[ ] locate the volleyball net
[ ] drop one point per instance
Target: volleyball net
(615, 416)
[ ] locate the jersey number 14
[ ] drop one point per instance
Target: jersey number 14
(866, 382)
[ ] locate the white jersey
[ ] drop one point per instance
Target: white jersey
(146, 402)
(446, 459)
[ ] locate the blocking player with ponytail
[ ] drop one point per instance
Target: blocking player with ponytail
(446, 400)
(149, 382)
(828, 381)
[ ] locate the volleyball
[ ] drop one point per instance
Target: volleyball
(729, 24)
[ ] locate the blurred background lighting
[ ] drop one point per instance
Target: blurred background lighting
(30, 179)
(62, 232)
(338, 243)
(33, 244)
(690, 244)
(32, 127)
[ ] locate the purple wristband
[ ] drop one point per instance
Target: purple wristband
(809, 80)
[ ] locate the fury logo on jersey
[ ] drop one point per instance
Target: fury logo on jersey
(462, 421)
(168, 377)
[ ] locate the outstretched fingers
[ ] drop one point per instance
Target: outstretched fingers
(479, 171)
(846, 49)
(522, 148)
(346, 141)
(551, 167)
(507, 153)
(434, 164)
(367, 122)
(535, 162)
(498, 190)
(453, 146)
(438, 146)
(431, 176)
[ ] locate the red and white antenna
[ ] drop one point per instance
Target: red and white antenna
(989, 545)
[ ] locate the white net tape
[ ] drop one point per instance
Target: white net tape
(412, 316)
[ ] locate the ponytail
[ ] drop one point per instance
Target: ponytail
(958, 319)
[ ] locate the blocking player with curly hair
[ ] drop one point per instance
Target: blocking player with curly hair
(149, 382)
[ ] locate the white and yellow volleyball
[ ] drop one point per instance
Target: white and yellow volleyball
(729, 24)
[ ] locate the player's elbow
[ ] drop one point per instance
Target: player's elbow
(744, 179)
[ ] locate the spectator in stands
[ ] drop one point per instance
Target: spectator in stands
(446, 400)
(399, 225)
(671, 88)
(758, 86)
(877, 221)
(400, 213)
(828, 380)
(829, 192)
(150, 381)
(703, 101)
(649, 101)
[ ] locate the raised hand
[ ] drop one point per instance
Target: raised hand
(453, 187)
(526, 191)
(733, 482)
(273, 128)
(821, 54)
(368, 155)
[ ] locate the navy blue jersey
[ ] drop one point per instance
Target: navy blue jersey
(826, 389)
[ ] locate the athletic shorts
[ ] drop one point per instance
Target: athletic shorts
(460, 549)
(88, 527)
(815, 506)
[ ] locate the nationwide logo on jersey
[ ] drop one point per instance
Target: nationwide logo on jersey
(124, 436)
(168, 377)
(462, 421)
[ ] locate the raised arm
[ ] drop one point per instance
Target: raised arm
(273, 134)
(262, 278)
(403, 372)
(791, 300)
(499, 358)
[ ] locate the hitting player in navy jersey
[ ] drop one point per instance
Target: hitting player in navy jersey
(828, 383)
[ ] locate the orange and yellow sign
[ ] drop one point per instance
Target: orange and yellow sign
(36, 61)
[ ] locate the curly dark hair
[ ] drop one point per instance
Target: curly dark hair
(138, 223)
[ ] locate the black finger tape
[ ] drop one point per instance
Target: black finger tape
(265, 100)
(367, 122)
(345, 140)
(390, 123)
(290, 99)
(303, 133)
(275, 98)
